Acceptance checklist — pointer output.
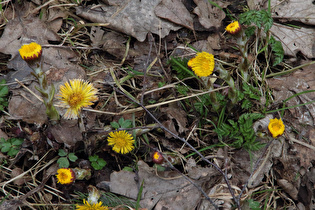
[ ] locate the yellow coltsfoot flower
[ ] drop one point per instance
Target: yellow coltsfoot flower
(121, 141)
(202, 64)
(276, 127)
(233, 28)
(65, 176)
(30, 52)
(87, 206)
(77, 94)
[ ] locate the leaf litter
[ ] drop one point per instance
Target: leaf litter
(162, 189)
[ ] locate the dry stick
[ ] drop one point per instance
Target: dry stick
(188, 144)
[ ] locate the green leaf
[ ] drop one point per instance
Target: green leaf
(13, 152)
(62, 153)
(115, 125)
(63, 162)
(101, 162)
(159, 167)
(277, 49)
(2, 140)
(180, 66)
(93, 158)
(250, 31)
(17, 142)
(121, 121)
(266, 19)
(96, 166)
(72, 157)
(246, 104)
(5, 147)
(4, 90)
(161, 84)
(182, 89)
(126, 168)
(126, 124)
(254, 205)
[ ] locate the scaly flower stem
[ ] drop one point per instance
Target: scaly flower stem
(244, 64)
(213, 95)
(225, 75)
(46, 91)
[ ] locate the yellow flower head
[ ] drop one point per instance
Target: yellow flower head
(121, 141)
(76, 95)
(65, 175)
(202, 64)
(276, 127)
(157, 157)
(31, 52)
(87, 206)
(233, 28)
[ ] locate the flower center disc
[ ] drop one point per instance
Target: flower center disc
(75, 99)
(121, 142)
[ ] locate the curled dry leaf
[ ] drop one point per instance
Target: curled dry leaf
(208, 14)
(288, 188)
(174, 114)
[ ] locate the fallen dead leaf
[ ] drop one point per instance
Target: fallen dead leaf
(19, 181)
(288, 85)
(174, 114)
(302, 11)
(114, 44)
(176, 12)
(23, 105)
(295, 40)
(135, 18)
(242, 167)
(208, 14)
(288, 188)
(166, 190)
(67, 132)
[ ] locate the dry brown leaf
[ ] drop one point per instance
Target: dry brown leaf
(135, 18)
(295, 39)
(288, 188)
(96, 36)
(114, 44)
(288, 85)
(243, 164)
(23, 105)
(293, 10)
(168, 190)
(176, 12)
(209, 15)
(174, 114)
(67, 132)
